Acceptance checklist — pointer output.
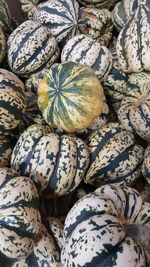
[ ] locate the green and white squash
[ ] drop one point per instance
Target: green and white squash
(84, 50)
(12, 101)
(98, 3)
(31, 47)
(5, 17)
(6, 148)
(70, 96)
(108, 227)
(46, 251)
(133, 44)
(62, 17)
(2, 45)
(146, 165)
(55, 163)
(98, 24)
(114, 156)
(20, 219)
(33, 82)
(29, 7)
(134, 112)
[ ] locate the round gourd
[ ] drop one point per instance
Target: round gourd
(84, 50)
(114, 156)
(20, 219)
(6, 148)
(98, 24)
(70, 96)
(146, 165)
(62, 17)
(134, 111)
(133, 43)
(108, 227)
(2, 45)
(55, 163)
(5, 17)
(12, 101)
(30, 48)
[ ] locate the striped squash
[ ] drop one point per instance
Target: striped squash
(134, 112)
(12, 101)
(33, 82)
(5, 17)
(114, 156)
(98, 3)
(108, 227)
(70, 96)
(2, 45)
(55, 163)
(6, 148)
(84, 50)
(133, 44)
(98, 24)
(62, 17)
(29, 7)
(20, 218)
(31, 47)
(146, 165)
(46, 251)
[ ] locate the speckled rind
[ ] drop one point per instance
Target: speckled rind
(56, 164)
(2, 45)
(98, 24)
(83, 49)
(5, 17)
(70, 96)
(94, 232)
(12, 101)
(114, 156)
(20, 219)
(63, 18)
(134, 111)
(6, 148)
(55, 226)
(31, 47)
(146, 164)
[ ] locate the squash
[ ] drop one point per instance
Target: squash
(20, 218)
(98, 24)
(98, 3)
(6, 148)
(12, 101)
(108, 227)
(70, 96)
(29, 7)
(2, 45)
(5, 17)
(55, 163)
(46, 251)
(134, 112)
(146, 165)
(31, 47)
(61, 17)
(133, 43)
(84, 50)
(114, 156)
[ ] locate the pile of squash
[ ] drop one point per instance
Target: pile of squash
(75, 134)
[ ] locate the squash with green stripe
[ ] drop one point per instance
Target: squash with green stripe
(29, 7)
(133, 43)
(6, 148)
(12, 101)
(55, 163)
(146, 165)
(46, 250)
(114, 156)
(134, 112)
(62, 17)
(31, 47)
(5, 17)
(2, 45)
(84, 50)
(98, 24)
(108, 227)
(70, 96)
(20, 219)
(98, 3)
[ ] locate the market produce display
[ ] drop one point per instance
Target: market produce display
(74, 133)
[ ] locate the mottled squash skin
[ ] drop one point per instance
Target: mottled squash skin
(70, 96)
